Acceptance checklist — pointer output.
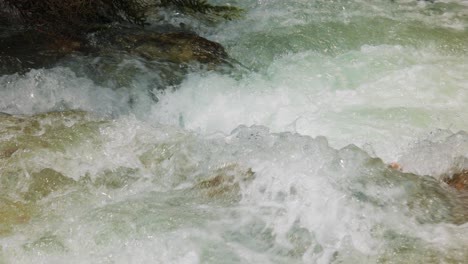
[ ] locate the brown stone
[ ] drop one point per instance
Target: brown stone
(458, 181)
(7, 152)
(226, 181)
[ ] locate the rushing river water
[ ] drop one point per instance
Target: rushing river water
(281, 160)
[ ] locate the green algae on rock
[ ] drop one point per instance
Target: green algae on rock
(178, 47)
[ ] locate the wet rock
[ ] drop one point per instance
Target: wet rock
(182, 47)
(175, 46)
(21, 51)
(117, 56)
(10, 65)
(8, 151)
(7, 18)
(458, 181)
(12, 213)
(45, 182)
(117, 178)
(163, 55)
(47, 243)
(226, 181)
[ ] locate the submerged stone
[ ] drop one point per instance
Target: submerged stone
(12, 213)
(45, 182)
(46, 244)
(226, 181)
(117, 178)
(8, 151)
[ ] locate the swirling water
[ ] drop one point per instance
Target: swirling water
(284, 160)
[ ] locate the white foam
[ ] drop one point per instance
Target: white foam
(342, 200)
(385, 96)
(442, 154)
(57, 89)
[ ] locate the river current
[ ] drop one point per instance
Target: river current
(283, 159)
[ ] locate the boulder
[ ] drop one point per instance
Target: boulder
(120, 55)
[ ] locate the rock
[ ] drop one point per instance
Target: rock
(13, 213)
(165, 54)
(175, 46)
(116, 56)
(8, 151)
(226, 181)
(182, 48)
(21, 51)
(117, 178)
(45, 182)
(9, 64)
(458, 181)
(7, 18)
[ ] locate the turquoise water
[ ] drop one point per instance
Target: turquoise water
(281, 160)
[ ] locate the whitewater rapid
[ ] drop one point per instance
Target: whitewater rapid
(283, 159)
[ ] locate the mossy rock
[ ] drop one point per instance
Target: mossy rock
(176, 46)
